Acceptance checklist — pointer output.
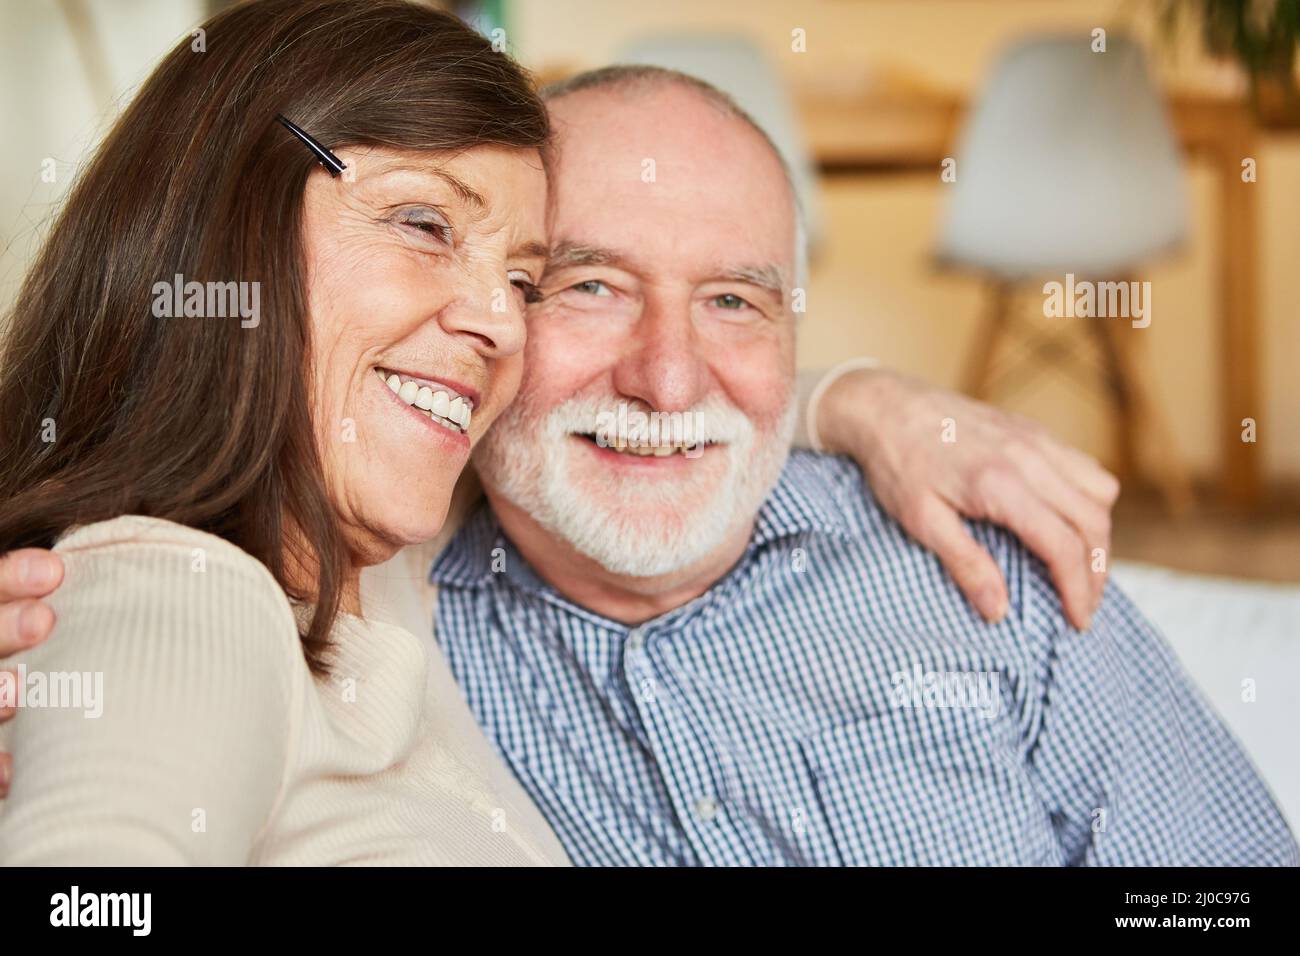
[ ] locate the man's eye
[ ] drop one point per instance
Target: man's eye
(592, 287)
(729, 300)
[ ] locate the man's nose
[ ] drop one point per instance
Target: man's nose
(666, 367)
(486, 308)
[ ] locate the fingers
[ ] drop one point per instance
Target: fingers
(22, 624)
(8, 681)
(8, 692)
(937, 526)
(26, 575)
(1087, 516)
(1082, 471)
(29, 572)
(1009, 502)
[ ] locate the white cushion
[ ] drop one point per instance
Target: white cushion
(1227, 631)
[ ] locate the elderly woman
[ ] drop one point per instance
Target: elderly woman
(215, 482)
(245, 367)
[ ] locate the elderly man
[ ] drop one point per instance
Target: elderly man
(738, 658)
(698, 649)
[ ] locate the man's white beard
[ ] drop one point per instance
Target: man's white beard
(641, 526)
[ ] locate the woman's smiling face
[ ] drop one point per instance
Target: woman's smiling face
(418, 267)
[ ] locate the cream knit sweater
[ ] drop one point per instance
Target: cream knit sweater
(217, 746)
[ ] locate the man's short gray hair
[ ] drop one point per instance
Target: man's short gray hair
(645, 76)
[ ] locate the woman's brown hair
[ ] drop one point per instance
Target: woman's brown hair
(202, 421)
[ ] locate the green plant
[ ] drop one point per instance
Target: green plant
(1260, 35)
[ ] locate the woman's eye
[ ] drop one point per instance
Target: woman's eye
(439, 229)
(525, 285)
(730, 300)
(592, 287)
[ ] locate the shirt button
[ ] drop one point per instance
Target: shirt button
(635, 640)
(706, 808)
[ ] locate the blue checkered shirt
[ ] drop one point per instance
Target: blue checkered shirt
(834, 700)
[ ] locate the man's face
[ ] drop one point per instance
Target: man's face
(665, 307)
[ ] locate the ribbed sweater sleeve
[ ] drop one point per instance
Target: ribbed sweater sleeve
(194, 651)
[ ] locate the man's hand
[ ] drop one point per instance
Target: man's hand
(983, 463)
(25, 577)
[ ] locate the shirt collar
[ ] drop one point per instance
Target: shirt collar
(810, 497)
(467, 559)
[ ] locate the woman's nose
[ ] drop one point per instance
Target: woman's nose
(491, 313)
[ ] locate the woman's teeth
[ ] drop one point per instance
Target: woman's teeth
(444, 406)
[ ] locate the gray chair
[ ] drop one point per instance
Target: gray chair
(1068, 164)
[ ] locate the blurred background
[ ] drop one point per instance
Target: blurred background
(898, 116)
(953, 156)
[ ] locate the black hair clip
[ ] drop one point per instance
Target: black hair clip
(323, 155)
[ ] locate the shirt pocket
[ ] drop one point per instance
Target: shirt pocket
(929, 787)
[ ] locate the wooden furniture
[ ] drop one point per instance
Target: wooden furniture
(883, 132)
(1119, 378)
